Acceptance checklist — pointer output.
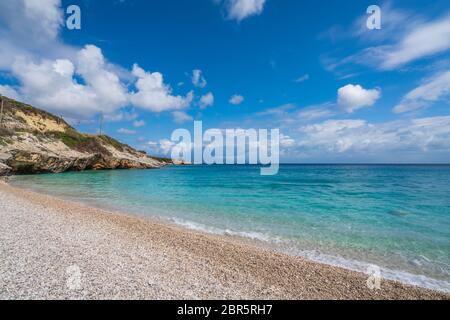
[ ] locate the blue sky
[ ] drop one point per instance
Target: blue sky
(338, 91)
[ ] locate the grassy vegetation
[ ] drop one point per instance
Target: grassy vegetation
(11, 106)
(70, 137)
(163, 160)
(88, 143)
(20, 119)
(81, 142)
(116, 144)
(3, 141)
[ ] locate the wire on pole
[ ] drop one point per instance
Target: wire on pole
(1, 110)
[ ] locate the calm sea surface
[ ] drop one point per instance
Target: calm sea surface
(396, 217)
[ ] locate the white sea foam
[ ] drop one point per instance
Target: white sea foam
(208, 229)
(360, 266)
(315, 255)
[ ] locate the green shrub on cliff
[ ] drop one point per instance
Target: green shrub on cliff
(116, 144)
(70, 138)
(81, 142)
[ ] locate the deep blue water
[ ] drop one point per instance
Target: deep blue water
(394, 216)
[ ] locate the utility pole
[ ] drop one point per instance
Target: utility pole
(100, 120)
(1, 111)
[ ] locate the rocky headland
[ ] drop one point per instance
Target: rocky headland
(35, 141)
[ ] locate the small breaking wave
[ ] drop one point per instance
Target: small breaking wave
(360, 266)
(225, 232)
(317, 256)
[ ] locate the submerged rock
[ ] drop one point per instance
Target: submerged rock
(398, 213)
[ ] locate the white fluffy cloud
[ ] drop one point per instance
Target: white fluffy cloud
(154, 95)
(166, 146)
(241, 9)
(181, 117)
(121, 115)
(74, 82)
(361, 137)
(286, 141)
(236, 99)
(43, 18)
(44, 15)
(30, 27)
(52, 84)
(354, 97)
(198, 79)
(435, 89)
(207, 100)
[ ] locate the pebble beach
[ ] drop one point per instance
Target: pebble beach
(56, 249)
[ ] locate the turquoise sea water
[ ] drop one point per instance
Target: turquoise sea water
(396, 217)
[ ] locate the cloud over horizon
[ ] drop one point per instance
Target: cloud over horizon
(382, 141)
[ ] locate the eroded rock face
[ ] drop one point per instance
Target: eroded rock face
(4, 170)
(23, 162)
(35, 141)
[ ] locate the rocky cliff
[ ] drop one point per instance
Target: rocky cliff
(35, 141)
